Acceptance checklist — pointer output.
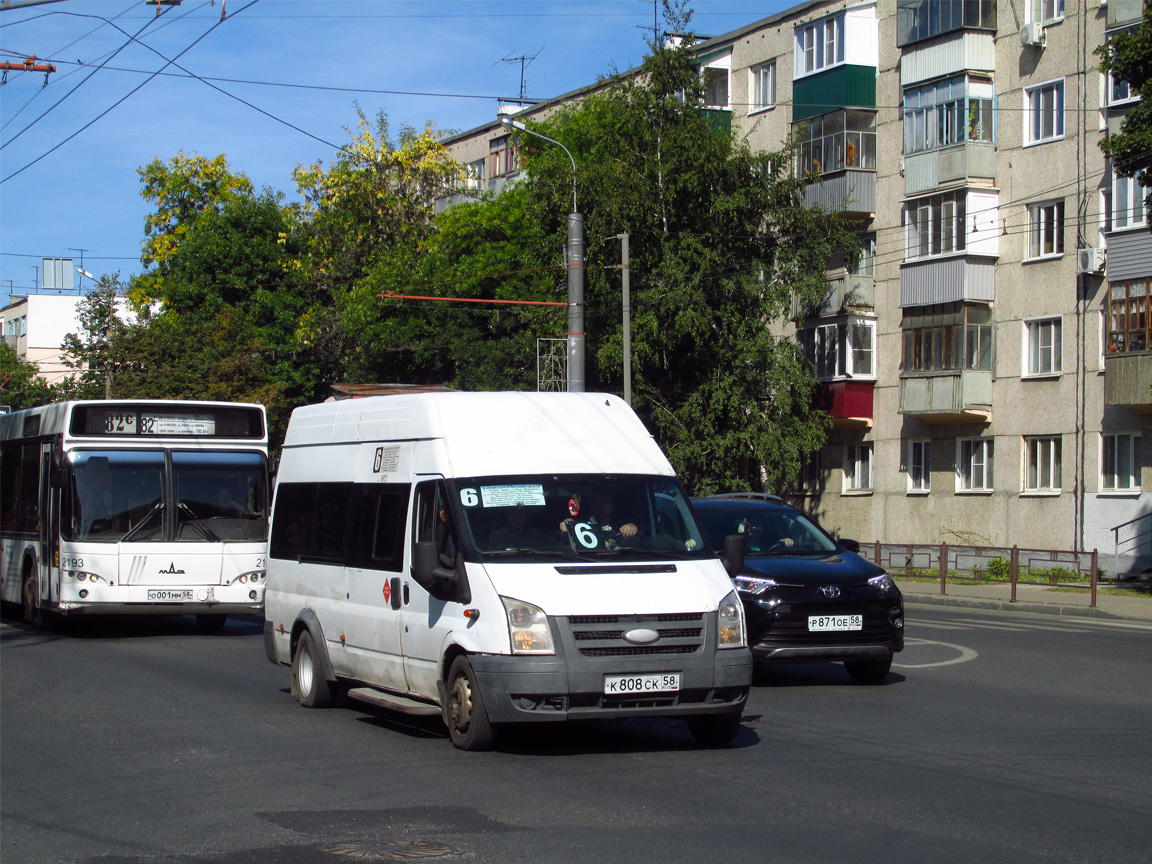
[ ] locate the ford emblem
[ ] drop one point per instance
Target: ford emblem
(641, 636)
(830, 591)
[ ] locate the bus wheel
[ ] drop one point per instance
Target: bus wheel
(310, 681)
(714, 730)
(466, 716)
(211, 623)
(32, 612)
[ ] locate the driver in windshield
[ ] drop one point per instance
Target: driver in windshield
(597, 512)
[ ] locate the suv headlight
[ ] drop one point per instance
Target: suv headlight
(730, 632)
(528, 628)
(883, 583)
(755, 584)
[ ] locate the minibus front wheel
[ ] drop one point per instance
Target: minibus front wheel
(466, 717)
(311, 684)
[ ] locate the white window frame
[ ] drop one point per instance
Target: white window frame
(762, 86)
(936, 225)
(819, 46)
(809, 481)
(1126, 204)
(1117, 449)
(834, 352)
(1043, 464)
(1111, 84)
(858, 468)
(474, 174)
(1043, 354)
(1044, 11)
(1045, 230)
(1037, 105)
(919, 466)
(974, 465)
(718, 67)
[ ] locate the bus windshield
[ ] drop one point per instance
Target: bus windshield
(124, 495)
(578, 516)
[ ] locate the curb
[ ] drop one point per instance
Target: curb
(1018, 606)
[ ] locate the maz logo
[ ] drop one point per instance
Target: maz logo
(172, 569)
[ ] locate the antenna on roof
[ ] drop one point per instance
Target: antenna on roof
(524, 60)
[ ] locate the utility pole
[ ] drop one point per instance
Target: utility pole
(625, 288)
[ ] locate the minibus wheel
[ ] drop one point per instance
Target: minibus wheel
(310, 681)
(466, 716)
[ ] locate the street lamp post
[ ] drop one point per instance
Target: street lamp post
(574, 261)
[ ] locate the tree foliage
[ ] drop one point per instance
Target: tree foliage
(1128, 57)
(21, 385)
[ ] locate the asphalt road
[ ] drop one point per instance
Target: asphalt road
(997, 737)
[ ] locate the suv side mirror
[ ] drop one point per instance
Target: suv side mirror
(733, 557)
(850, 545)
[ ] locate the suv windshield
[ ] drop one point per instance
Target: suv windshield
(578, 515)
(767, 531)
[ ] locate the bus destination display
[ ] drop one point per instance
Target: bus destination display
(131, 423)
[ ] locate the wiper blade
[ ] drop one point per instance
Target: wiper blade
(132, 532)
(198, 524)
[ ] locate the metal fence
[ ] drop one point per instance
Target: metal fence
(990, 564)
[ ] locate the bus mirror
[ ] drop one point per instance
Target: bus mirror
(58, 477)
(733, 557)
(441, 582)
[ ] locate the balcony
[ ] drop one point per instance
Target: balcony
(1128, 381)
(852, 191)
(959, 396)
(971, 163)
(848, 403)
(845, 294)
(1122, 12)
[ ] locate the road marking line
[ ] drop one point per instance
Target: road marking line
(966, 654)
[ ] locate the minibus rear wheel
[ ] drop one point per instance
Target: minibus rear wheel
(466, 716)
(310, 681)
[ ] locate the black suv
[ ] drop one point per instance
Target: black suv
(806, 595)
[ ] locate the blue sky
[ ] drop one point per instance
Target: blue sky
(298, 63)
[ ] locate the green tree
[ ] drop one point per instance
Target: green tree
(721, 242)
(1128, 57)
(89, 352)
(21, 385)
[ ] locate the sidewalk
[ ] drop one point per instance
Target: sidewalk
(1030, 598)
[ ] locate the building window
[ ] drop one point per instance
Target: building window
(762, 85)
(947, 336)
(866, 264)
(809, 480)
(1042, 464)
(1046, 230)
(947, 113)
(974, 465)
(858, 468)
(1042, 347)
(503, 156)
(835, 141)
(819, 45)
(842, 349)
(923, 19)
(935, 225)
(1118, 91)
(1129, 316)
(1044, 112)
(1126, 209)
(1045, 11)
(1120, 460)
(715, 86)
(919, 466)
(474, 174)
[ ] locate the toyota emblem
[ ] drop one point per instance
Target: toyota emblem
(830, 591)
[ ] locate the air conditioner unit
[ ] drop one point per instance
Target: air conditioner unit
(1089, 260)
(1031, 33)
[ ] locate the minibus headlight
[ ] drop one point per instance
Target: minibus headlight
(730, 629)
(527, 627)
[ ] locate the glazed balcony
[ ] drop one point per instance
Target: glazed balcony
(957, 396)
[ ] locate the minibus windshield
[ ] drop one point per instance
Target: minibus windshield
(520, 517)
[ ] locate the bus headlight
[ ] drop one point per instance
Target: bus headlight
(528, 628)
(730, 630)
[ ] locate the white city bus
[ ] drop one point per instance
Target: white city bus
(134, 507)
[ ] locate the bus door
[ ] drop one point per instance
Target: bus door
(49, 528)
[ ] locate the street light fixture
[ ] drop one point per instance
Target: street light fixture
(574, 260)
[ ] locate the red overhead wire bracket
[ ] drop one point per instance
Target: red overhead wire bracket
(390, 295)
(29, 64)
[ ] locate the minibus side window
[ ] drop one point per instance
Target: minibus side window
(437, 564)
(377, 527)
(292, 521)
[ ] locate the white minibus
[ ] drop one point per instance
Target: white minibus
(499, 558)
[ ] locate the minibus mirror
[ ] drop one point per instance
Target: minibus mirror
(850, 545)
(439, 581)
(733, 557)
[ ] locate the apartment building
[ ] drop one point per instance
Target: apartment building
(988, 364)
